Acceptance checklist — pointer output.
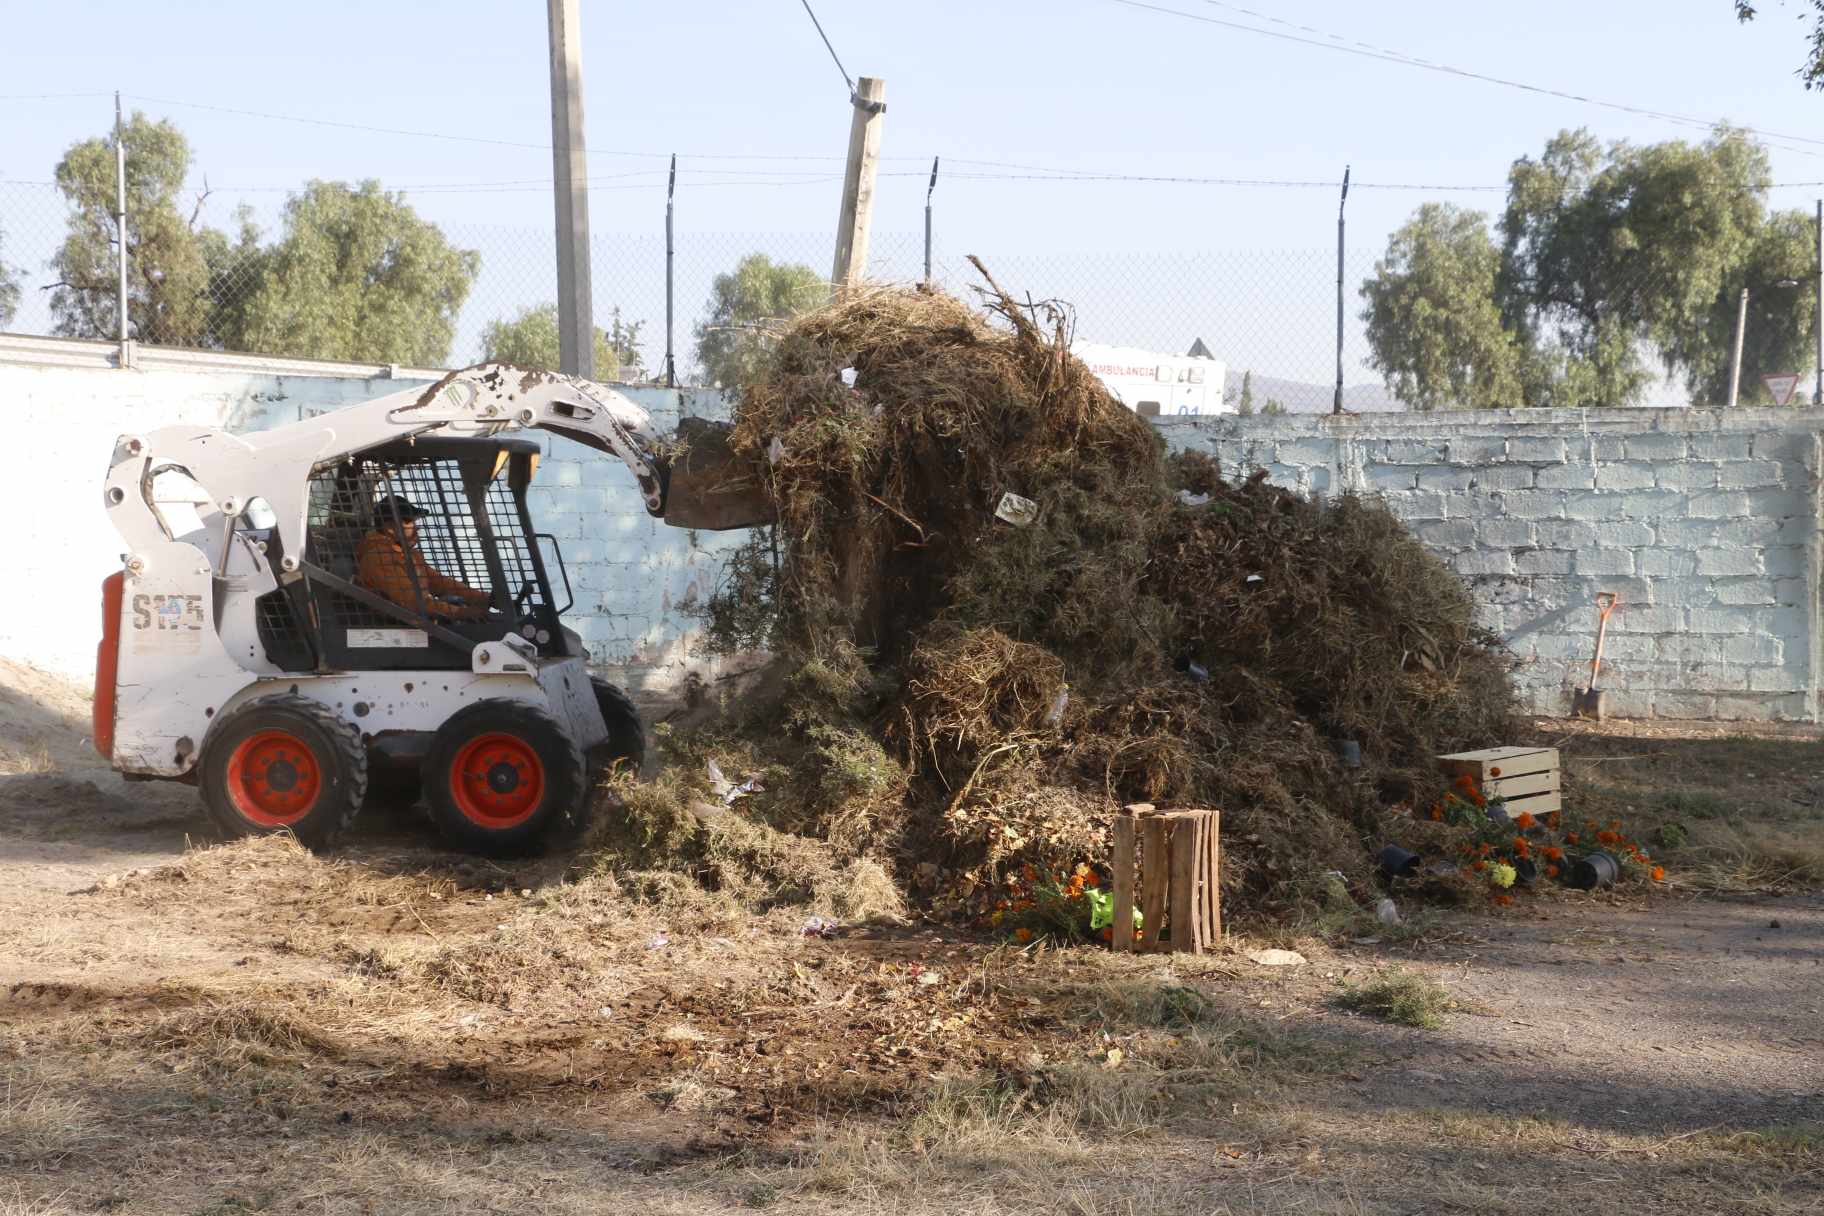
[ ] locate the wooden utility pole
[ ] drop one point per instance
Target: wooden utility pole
(570, 179)
(870, 105)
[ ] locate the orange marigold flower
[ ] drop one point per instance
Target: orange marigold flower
(1570, 838)
(1479, 866)
(1022, 934)
(1108, 933)
(1553, 853)
(1551, 871)
(1521, 848)
(1485, 849)
(1659, 873)
(1028, 873)
(1551, 820)
(1437, 813)
(1525, 820)
(1504, 900)
(1606, 838)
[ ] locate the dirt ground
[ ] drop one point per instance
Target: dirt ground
(187, 1027)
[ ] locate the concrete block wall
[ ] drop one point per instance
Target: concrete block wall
(634, 579)
(1705, 523)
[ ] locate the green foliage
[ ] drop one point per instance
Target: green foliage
(1433, 325)
(1610, 255)
(1811, 72)
(1245, 406)
(168, 274)
(9, 286)
(357, 275)
(531, 340)
(1272, 407)
(733, 340)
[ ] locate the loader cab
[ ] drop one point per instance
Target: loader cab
(472, 526)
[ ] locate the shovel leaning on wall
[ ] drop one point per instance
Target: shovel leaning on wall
(1587, 702)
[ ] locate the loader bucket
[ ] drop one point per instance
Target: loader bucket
(710, 488)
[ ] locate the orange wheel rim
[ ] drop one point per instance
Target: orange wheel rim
(274, 778)
(497, 780)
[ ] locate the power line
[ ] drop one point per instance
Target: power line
(846, 78)
(47, 96)
(1336, 42)
(473, 139)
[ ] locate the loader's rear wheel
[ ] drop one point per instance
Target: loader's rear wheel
(502, 776)
(284, 763)
(626, 745)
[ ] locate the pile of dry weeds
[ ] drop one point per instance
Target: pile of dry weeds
(959, 693)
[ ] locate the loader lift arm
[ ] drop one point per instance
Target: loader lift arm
(485, 400)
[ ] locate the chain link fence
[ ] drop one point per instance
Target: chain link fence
(445, 294)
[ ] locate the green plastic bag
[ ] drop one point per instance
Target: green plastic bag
(1102, 910)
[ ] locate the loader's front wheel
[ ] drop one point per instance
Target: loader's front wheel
(501, 777)
(284, 764)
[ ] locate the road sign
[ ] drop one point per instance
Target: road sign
(1781, 384)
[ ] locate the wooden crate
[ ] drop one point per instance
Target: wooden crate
(1179, 857)
(1524, 778)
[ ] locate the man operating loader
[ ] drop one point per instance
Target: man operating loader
(389, 563)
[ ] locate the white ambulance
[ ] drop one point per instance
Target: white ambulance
(1152, 384)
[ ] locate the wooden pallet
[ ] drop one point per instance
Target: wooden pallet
(1524, 778)
(1179, 860)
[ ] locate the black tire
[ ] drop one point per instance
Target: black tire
(502, 777)
(626, 745)
(283, 764)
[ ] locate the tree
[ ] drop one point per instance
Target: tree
(1779, 334)
(9, 287)
(357, 275)
(1245, 406)
(1812, 70)
(531, 340)
(1616, 253)
(1434, 329)
(732, 339)
(167, 277)
(1272, 408)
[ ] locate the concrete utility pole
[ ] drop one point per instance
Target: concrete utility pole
(870, 105)
(1817, 319)
(1735, 359)
(570, 178)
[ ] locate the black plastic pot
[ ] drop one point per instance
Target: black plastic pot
(1593, 870)
(1397, 862)
(1525, 870)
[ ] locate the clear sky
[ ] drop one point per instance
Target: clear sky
(1085, 85)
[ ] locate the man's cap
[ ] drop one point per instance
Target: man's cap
(398, 507)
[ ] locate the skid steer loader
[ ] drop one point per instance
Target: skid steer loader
(363, 598)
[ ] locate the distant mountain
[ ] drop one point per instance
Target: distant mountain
(1300, 397)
